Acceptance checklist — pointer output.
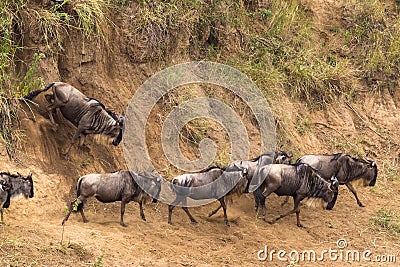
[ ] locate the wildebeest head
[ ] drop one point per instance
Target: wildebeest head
(281, 157)
(368, 170)
(244, 180)
(26, 185)
(4, 185)
(332, 188)
(321, 188)
(119, 130)
(374, 169)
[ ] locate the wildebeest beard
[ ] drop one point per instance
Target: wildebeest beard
(118, 140)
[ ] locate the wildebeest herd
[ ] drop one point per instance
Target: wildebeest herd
(311, 176)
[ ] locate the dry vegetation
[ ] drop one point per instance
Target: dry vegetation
(329, 69)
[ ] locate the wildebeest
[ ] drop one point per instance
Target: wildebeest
(299, 181)
(345, 168)
(13, 186)
(87, 114)
(253, 165)
(204, 185)
(112, 187)
(280, 157)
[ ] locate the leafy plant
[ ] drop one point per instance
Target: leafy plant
(13, 85)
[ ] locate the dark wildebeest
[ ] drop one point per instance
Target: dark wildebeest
(345, 168)
(13, 186)
(253, 165)
(87, 114)
(204, 185)
(299, 181)
(112, 187)
(280, 157)
(4, 193)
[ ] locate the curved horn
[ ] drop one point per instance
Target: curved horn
(334, 183)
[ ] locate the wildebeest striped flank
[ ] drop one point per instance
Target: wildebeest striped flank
(299, 181)
(345, 168)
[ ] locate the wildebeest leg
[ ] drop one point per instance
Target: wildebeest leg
(123, 203)
(296, 209)
(262, 198)
(332, 203)
(284, 202)
(215, 211)
(76, 205)
(184, 207)
(82, 139)
(141, 211)
(171, 207)
(76, 135)
(51, 111)
(256, 195)
(83, 216)
(223, 204)
(193, 220)
(351, 188)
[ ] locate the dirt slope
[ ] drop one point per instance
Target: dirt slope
(33, 236)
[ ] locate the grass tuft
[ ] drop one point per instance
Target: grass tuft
(386, 219)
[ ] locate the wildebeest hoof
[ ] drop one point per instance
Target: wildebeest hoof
(300, 225)
(361, 204)
(193, 221)
(66, 157)
(85, 221)
(329, 207)
(143, 218)
(122, 224)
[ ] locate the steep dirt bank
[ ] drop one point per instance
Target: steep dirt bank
(112, 73)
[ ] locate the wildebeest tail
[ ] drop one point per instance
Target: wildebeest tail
(78, 188)
(35, 93)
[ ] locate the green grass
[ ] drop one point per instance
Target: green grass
(387, 220)
(91, 18)
(13, 84)
(373, 34)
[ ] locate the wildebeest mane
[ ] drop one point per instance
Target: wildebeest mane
(9, 174)
(109, 112)
(257, 158)
(212, 167)
(335, 156)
